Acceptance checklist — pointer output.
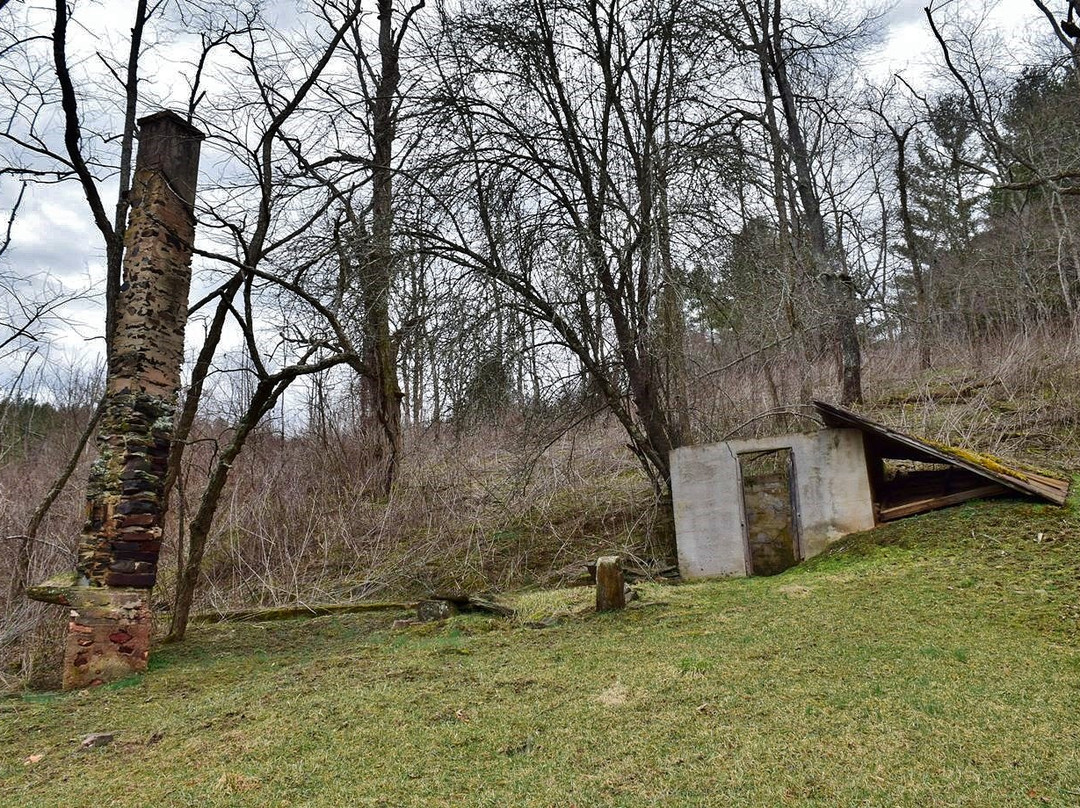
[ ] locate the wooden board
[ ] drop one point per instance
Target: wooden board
(944, 501)
(895, 444)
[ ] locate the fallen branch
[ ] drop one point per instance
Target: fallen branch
(297, 611)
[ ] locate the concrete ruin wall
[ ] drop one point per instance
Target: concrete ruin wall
(831, 487)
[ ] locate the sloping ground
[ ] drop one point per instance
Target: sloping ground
(1019, 404)
(931, 662)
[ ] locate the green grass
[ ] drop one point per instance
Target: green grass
(933, 662)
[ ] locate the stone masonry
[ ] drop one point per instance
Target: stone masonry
(109, 631)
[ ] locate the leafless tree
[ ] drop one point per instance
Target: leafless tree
(1027, 132)
(265, 160)
(32, 310)
(900, 125)
(367, 103)
(41, 89)
(798, 56)
(580, 131)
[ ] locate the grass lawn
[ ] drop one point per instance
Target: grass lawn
(933, 662)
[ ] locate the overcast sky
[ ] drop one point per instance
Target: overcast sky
(53, 233)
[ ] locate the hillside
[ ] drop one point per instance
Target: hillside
(496, 508)
(931, 662)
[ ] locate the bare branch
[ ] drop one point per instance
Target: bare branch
(11, 218)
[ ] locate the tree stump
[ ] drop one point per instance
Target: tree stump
(610, 584)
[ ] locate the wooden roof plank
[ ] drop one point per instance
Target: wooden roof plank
(1025, 482)
(941, 501)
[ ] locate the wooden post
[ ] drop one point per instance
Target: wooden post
(610, 584)
(109, 636)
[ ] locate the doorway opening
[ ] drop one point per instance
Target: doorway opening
(769, 505)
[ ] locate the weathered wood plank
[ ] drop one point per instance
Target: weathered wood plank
(1023, 481)
(610, 584)
(933, 503)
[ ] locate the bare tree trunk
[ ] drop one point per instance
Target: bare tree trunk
(261, 402)
(838, 287)
(114, 253)
(672, 334)
(23, 562)
(1065, 237)
(263, 399)
(112, 232)
(436, 387)
(381, 352)
(198, 380)
(922, 308)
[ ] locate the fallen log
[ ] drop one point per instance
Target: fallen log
(481, 602)
(298, 610)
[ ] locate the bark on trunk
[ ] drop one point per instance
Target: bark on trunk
(838, 286)
(381, 352)
(263, 400)
(922, 308)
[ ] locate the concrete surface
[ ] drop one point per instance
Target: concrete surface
(832, 498)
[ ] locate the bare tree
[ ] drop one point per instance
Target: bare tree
(38, 158)
(578, 125)
(792, 52)
(261, 264)
(1025, 131)
(78, 155)
(33, 310)
(900, 129)
(372, 102)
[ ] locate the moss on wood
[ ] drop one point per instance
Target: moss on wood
(995, 464)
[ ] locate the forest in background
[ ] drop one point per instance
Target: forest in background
(467, 272)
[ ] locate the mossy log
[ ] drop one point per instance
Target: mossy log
(299, 610)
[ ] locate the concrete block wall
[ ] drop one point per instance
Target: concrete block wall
(831, 486)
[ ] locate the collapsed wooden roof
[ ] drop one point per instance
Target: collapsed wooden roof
(886, 442)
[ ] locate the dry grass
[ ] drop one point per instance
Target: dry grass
(1016, 396)
(549, 606)
(511, 507)
(30, 633)
(467, 515)
(299, 523)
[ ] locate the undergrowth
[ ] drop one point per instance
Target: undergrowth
(516, 505)
(931, 662)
